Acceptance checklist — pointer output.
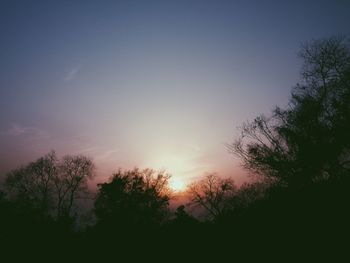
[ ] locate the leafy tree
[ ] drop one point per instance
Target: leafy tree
(133, 198)
(308, 141)
(213, 194)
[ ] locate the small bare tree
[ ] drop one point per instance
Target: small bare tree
(71, 182)
(212, 193)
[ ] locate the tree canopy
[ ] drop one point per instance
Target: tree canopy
(308, 141)
(133, 198)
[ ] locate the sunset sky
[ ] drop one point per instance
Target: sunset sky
(159, 84)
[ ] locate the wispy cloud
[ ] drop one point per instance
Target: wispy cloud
(99, 153)
(72, 73)
(20, 130)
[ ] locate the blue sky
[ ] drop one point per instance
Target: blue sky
(160, 84)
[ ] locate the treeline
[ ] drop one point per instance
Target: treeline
(299, 158)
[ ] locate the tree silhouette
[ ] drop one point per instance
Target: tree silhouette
(133, 198)
(213, 194)
(70, 183)
(31, 185)
(248, 194)
(50, 186)
(308, 141)
(182, 217)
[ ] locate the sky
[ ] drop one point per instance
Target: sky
(159, 84)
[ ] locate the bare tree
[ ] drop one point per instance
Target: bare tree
(33, 183)
(50, 185)
(71, 182)
(212, 193)
(325, 60)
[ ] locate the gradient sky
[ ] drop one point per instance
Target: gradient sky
(160, 84)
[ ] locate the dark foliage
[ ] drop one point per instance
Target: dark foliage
(133, 199)
(308, 141)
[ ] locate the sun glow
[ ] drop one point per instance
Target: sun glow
(177, 185)
(180, 167)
